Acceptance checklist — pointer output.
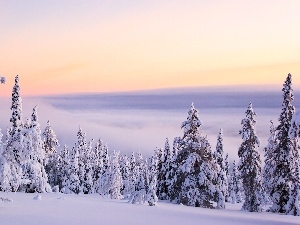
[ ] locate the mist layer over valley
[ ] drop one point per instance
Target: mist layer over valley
(134, 121)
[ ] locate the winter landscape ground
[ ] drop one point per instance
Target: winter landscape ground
(61, 209)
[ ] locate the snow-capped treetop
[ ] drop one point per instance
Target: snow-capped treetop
(287, 109)
(191, 127)
(16, 106)
(219, 149)
(50, 140)
(249, 122)
(81, 141)
(167, 151)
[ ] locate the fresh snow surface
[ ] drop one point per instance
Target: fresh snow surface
(62, 209)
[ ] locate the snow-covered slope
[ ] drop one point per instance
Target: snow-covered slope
(61, 209)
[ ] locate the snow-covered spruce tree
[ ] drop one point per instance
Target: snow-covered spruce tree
(73, 182)
(101, 164)
(50, 141)
(282, 171)
(33, 166)
(195, 181)
(132, 174)
(160, 156)
(4, 169)
(235, 188)
(165, 169)
(226, 161)
(146, 173)
(81, 149)
(64, 170)
(250, 164)
(151, 193)
(171, 170)
(222, 180)
(12, 156)
(125, 171)
(51, 156)
(98, 164)
(269, 162)
(115, 177)
(141, 174)
(103, 181)
(171, 179)
(139, 195)
(293, 205)
(88, 182)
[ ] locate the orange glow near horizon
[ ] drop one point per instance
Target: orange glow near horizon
(137, 45)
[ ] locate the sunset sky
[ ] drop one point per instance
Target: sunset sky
(71, 46)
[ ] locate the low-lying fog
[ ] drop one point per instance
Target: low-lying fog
(143, 120)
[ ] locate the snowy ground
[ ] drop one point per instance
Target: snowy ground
(60, 209)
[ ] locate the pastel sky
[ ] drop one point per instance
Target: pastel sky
(70, 46)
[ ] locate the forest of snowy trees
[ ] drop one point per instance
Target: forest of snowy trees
(188, 171)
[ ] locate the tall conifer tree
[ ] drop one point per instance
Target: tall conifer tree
(285, 150)
(250, 163)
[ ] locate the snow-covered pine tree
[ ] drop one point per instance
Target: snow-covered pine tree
(250, 164)
(284, 151)
(170, 177)
(37, 175)
(103, 181)
(160, 156)
(49, 140)
(139, 195)
(133, 174)
(165, 169)
(12, 156)
(115, 177)
(226, 161)
(235, 188)
(140, 179)
(269, 163)
(105, 157)
(97, 163)
(64, 170)
(195, 181)
(4, 169)
(81, 149)
(125, 171)
(293, 205)
(151, 193)
(73, 182)
(50, 143)
(88, 182)
(222, 180)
